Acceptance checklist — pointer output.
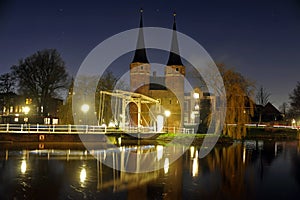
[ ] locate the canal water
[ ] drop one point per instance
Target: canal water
(249, 170)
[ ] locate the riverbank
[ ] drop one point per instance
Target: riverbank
(70, 141)
(253, 133)
(36, 137)
(272, 133)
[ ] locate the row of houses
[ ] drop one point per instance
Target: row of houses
(22, 109)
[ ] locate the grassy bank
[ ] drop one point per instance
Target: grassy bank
(197, 138)
(271, 133)
(252, 133)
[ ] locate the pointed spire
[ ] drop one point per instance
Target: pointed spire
(140, 52)
(174, 57)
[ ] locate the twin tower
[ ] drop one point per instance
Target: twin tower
(168, 89)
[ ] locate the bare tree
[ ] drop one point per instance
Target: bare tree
(295, 101)
(283, 108)
(41, 76)
(7, 83)
(65, 111)
(262, 96)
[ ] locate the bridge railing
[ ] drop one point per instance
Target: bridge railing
(75, 129)
(179, 130)
(48, 129)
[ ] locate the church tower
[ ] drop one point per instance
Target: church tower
(139, 67)
(175, 72)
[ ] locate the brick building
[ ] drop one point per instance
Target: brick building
(168, 89)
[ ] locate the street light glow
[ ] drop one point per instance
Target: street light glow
(167, 113)
(85, 108)
(196, 95)
(26, 110)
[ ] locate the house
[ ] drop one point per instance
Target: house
(21, 109)
(267, 113)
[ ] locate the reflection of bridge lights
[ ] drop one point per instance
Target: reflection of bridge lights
(192, 151)
(159, 150)
(23, 166)
(244, 154)
(195, 167)
(82, 175)
(166, 165)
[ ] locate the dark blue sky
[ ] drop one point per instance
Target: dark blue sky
(258, 38)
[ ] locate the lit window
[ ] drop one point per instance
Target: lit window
(11, 109)
(28, 101)
(47, 120)
(54, 121)
(16, 119)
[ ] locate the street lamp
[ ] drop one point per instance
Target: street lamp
(85, 108)
(167, 114)
(196, 95)
(26, 110)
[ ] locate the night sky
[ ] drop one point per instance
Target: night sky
(258, 38)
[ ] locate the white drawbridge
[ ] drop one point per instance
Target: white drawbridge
(120, 108)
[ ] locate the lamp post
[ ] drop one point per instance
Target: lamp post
(85, 108)
(26, 110)
(167, 114)
(196, 109)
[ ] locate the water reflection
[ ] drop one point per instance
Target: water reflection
(166, 165)
(249, 170)
(23, 166)
(82, 175)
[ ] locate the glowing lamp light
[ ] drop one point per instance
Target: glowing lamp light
(23, 166)
(195, 167)
(26, 110)
(85, 108)
(167, 113)
(166, 165)
(159, 149)
(196, 95)
(82, 175)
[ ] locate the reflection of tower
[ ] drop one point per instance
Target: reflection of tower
(140, 67)
(174, 76)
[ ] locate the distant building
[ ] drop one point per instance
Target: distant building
(267, 113)
(20, 109)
